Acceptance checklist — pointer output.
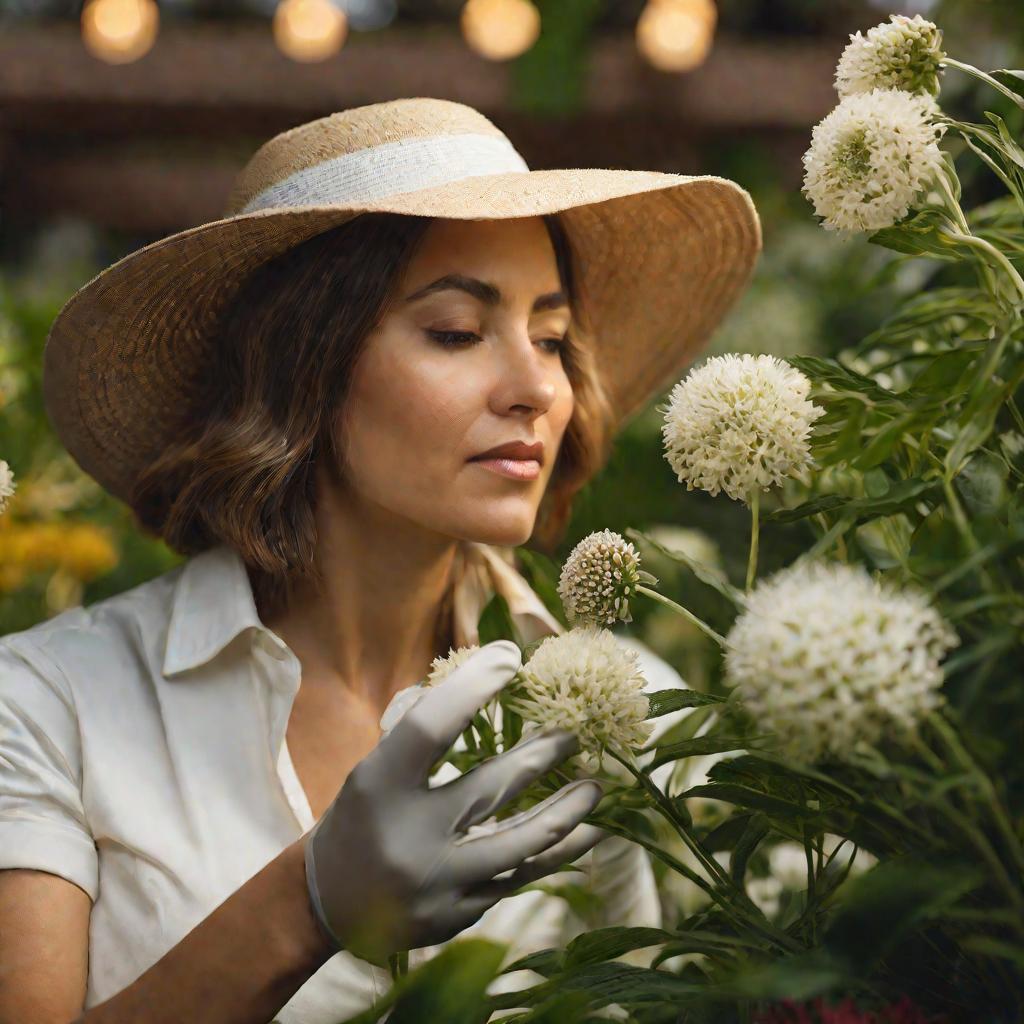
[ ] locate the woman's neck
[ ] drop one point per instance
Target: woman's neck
(382, 611)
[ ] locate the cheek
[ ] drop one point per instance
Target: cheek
(415, 416)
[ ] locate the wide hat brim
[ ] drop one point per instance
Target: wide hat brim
(661, 256)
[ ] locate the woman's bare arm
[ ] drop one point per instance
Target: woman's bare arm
(240, 965)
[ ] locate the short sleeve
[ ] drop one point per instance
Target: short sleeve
(42, 820)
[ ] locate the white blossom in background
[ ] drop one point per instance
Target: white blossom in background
(903, 53)
(598, 578)
(739, 423)
(823, 655)
(7, 485)
(585, 681)
(870, 159)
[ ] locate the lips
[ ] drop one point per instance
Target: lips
(518, 450)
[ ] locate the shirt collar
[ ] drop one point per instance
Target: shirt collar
(212, 604)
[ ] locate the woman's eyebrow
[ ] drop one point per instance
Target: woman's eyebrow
(485, 291)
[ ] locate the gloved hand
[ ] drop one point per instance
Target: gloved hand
(390, 866)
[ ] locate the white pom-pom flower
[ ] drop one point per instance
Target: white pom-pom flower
(823, 655)
(7, 485)
(585, 681)
(444, 665)
(739, 424)
(599, 577)
(870, 159)
(903, 53)
(440, 668)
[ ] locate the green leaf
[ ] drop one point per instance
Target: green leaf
(663, 702)
(542, 574)
(743, 796)
(801, 976)
(606, 983)
(607, 943)
(976, 424)
(842, 378)
(543, 961)
(709, 744)
(451, 986)
(757, 828)
(496, 622)
(713, 577)
(880, 907)
(880, 447)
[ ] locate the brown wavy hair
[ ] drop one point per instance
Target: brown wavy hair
(282, 368)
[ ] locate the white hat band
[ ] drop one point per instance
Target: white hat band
(391, 168)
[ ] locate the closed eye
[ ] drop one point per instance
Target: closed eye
(456, 339)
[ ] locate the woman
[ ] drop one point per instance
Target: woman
(297, 397)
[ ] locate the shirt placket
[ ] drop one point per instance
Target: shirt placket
(284, 671)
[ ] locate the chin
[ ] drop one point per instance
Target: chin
(503, 532)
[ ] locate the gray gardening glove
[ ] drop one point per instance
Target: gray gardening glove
(390, 867)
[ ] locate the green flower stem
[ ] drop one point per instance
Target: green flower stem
(779, 939)
(975, 835)
(745, 904)
(755, 505)
(949, 736)
(983, 76)
(955, 210)
(686, 613)
(990, 250)
(665, 805)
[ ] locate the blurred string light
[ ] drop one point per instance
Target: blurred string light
(309, 30)
(119, 31)
(676, 35)
(500, 29)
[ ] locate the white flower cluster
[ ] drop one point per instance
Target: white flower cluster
(7, 485)
(903, 53)
(823, 656)
(871, 157)
(585, 681)
(598, 578)
(443, 665)
(739, 423)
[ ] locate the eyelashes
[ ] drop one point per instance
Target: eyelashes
(459, 339)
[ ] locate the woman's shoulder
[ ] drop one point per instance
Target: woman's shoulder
(85, 636)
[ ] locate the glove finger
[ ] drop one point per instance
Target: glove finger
(467, 911)
(581, 839)
(481, 791)
(487, 850)
(406, 754)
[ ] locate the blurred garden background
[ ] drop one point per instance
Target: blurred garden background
(122, 122)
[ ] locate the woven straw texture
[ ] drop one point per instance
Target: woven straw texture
(662, 257)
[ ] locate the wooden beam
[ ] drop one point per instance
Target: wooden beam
(45, 72)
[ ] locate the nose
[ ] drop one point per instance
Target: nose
(526, 378)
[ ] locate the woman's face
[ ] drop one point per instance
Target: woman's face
(420, 409)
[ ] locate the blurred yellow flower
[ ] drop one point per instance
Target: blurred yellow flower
(82, 551)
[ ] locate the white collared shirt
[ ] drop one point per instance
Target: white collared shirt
(143, 757)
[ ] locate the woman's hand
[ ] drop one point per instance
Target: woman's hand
(390, 867)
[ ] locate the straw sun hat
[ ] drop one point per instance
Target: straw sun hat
(662, 258)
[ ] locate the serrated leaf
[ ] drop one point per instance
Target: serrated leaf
(607, 943)
(706, 574)
(664, 702)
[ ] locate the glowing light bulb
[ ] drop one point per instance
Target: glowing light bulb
(500, 29)
(309, 30)
(119, 31)
(676, 35)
